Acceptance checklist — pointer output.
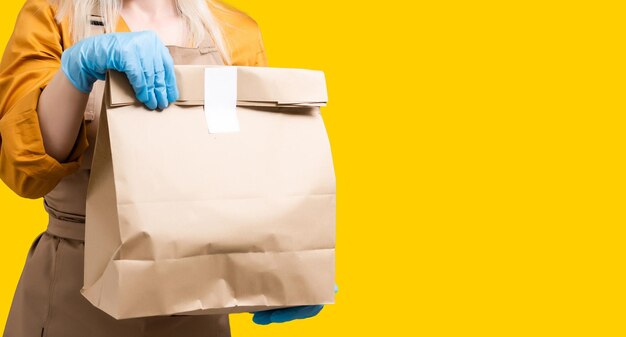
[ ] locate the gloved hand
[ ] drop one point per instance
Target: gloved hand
(140, 55)
(265, 317)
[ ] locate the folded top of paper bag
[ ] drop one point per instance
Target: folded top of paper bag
(256, 86)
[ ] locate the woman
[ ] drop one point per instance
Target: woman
(50, 93)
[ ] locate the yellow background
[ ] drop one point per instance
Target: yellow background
(479, 152)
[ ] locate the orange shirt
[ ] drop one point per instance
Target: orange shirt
(31, 59)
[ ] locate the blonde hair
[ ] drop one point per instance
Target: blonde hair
(197, 15)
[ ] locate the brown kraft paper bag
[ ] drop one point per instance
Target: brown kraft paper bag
(181, 221)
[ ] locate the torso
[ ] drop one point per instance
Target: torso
(69, 197)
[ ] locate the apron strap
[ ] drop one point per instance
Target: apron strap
(207, 45)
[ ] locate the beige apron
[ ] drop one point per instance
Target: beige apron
(47, 301)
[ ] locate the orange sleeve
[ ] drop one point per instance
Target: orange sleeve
(31, 58)
(242, 34)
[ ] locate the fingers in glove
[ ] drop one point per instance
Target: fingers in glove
(262, 317)
(134, 73)
(170, 77)
(160, 90)
(286, 314)
(300, 312)
(147, 64)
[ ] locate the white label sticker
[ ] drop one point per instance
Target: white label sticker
(220, 99)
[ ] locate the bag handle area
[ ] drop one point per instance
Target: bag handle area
(256, 86)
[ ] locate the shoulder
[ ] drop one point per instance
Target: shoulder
(38, 9)
(241, 31)
(230, 15)
(39, 19)
(41, 9)
(35, 30)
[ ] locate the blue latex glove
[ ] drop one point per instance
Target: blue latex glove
(140, 55)
(282, 315)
